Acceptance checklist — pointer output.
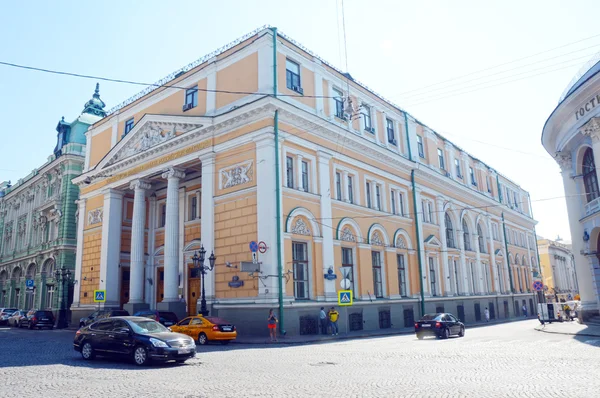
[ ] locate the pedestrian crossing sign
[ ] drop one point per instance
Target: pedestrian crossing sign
(99, 296)
(344, 297)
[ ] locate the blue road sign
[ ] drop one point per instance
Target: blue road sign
(538, 285)
(29, 283)
(99, 296)
(253, 247)
(344, 297)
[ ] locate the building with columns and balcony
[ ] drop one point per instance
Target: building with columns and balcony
(557, 264)
(38, 220)
(263, 141)
(572, 136)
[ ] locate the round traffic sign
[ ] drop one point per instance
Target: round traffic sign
(262, 247)
(345, 284)
(538, 285)
(253, 246)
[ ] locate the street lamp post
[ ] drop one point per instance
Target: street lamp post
(63, 276)
(199, 264)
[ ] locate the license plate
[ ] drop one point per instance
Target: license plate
(227, 329)
(184, 350)
(168, 323)
(425, 326)
(44, 319)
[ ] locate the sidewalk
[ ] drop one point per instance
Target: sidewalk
(572, 328)
(314, 338)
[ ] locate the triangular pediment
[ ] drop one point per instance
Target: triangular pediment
(150, 132)
(433, 241)
(498, 253)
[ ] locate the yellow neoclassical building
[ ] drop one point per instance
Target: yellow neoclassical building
(263, 141)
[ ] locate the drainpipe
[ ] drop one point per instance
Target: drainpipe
(407, 136)
(277, 189)
(507, 258)
(412, 180)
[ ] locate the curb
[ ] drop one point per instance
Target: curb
(566, 333)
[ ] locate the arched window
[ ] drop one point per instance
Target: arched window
(449, 232)
(481, 239)
(466, 235)
(590, 180)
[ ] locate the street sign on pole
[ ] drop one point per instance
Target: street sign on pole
(254, 258)
(99, 296)
(262, 247)
(538, 286)
(344, 297)
(253, 246)
(29, 283)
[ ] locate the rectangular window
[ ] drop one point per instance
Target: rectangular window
(338, 186)
(163, 214)
(300, 264)
(377, 278)
(193, 208)
(289, 171)
(430, 208)
(456, 277)
(292, 76)
(495, 231)
(128, 126)
(432, 280)
(350, 190)
(368, 195)
(400, 204)
(338, 97)
(402, 275)
(424, 211)
(441, 159)
(393, 202)
(390, 131)
(516, 202)
(50, 296)
(191, 98)
(487, 181)
(378, 196)
(457, 165)
(420, 146)
(348, 266)
(472, 174)
(305, 176)
(367, 118)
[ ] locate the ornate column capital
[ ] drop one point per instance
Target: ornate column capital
(564, 161)
(140, 184)
(592, 129)
(173, 172)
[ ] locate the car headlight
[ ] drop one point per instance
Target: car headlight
(158, 343)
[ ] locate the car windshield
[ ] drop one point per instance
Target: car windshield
(9, 310)
(431, 317)
(147, 326)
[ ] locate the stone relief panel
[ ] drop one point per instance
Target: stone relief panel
(300, 227)
(347, 235)
(95, 216)
(238, 174)
(376, 239)
(400, 243)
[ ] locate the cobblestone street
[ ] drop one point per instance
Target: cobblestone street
(506, 360)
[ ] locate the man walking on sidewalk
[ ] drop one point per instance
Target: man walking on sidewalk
(487, 314)
(333, 318)
(323, 320)
(524, 311)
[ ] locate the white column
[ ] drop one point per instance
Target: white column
(81, 207)
(440, 210)
(211, 85)
(492, 255)
(298, 172)
(171, 258)
(424, 264)
(479, 274)
(344, 183)
(266, 213)
(585, 273)
(110, 256)
(466, 173)
(323, 160)
(464, 286)
(207, 226)
(373, 195)
(506, 274)
(150, 291)
(138, 227)
(528, 266)
(319, 91)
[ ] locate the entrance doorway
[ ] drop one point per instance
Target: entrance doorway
(125, 277)
(193, 289)
(160, 284)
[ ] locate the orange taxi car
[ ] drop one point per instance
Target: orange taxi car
(205, 329)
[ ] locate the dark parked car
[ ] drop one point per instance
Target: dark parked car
(137, 338)
(164, 317)
(37, 319)
(441, 325)
(94, 316)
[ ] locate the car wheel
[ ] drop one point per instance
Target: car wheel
(446, 333)
(202, 339)
(420, 336)
(87, 351)
(140, 356)
(462, 332)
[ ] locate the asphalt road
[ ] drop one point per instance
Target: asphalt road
(506, 360)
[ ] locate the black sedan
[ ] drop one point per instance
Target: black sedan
(441, 325)
(137, 338)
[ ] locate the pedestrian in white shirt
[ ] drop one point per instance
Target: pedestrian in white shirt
(487, 314)
(323, 320)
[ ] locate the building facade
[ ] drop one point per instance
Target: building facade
(572, 136)
(557, 264)
(263, 141)
(38, 220)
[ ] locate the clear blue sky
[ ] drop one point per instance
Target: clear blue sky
(393, 47)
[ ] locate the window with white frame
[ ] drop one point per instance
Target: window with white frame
(338, 186)
(495, 231)
(367, 118)
(289, 171)
(193, 207)
(377, 274)
(350, 189)
(162, 214)
(368, 196)
(300, 270)
(348, 266)
(378, 196)
(489, 186)
(393, 201)
(391, 134)
(401, 275)
(420, 147)
(472, 175)
(441, 159)
(338, 98)
(292, 76)
(457, 166)
(432, 278)
(397, 202)
(305, 176)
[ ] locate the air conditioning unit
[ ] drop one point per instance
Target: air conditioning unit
(187, 106)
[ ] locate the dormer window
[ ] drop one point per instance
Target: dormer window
(128, 126)
(191, 98)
